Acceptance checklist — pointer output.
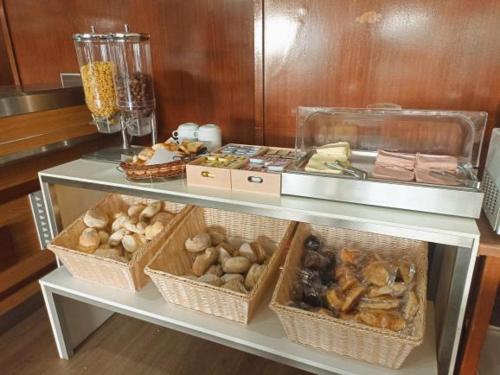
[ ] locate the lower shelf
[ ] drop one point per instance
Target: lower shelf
(264, 336)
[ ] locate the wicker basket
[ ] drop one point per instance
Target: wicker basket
(109, 272)
(374, 345)
(173, 261)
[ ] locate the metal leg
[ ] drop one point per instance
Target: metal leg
(463, 267)
(154, 129)
(55, 313)
(72, 321)
(125, 142)
(54, 219)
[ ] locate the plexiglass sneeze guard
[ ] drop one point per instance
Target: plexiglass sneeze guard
(437, 132)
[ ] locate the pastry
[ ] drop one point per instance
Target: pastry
(386, 303)
(132, 242)
(119, 221)
(349, 256)
(236, 265)
(235, 285)
(135, 210)
(215, 269)
(406, 271)
(352, 298)
(163, 217)
(231, 276)
(116, 237)
(198, 243)
(377, 273)
(94, 219)
(151, 210)
(134, 228)
(210, 279)
(216, 235)
(254, 274)
(103, 236)
(383, 319)
(312, 243)
(223, 254)
(394, 289)
(259, 250)
(89, 240)
(205, 260)
(153, 230)
(411, 307)
(246, 251)
(234, 242)
(314, 260)
(335, 299)
(268, 245)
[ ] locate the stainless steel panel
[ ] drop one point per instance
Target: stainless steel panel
(17, 102)
(440, 200)
(45, 149)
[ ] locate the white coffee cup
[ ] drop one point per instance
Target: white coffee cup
(210, 135)
(186, 132)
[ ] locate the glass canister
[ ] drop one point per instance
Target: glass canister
(131, 53)
(97, 69)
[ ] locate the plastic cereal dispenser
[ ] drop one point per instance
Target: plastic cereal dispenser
(131, 54)
(97, 69)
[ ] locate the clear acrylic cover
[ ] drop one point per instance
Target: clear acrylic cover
(437, 132)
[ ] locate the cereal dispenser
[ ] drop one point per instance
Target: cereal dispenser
(131, 54)
(96, 68)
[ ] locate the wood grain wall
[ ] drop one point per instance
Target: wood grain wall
(415, 53)
(202, 52)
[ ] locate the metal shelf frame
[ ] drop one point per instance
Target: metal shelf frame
(460, 236)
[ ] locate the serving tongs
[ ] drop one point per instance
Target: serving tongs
(350, 170)
(464, 176)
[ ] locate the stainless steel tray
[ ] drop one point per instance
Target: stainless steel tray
(461, 200)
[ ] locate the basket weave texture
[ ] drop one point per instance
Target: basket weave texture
(173, 261)
(129, 276)
(370, 344)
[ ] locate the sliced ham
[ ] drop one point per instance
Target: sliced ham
(436, 162)
(395, 159)
(393, 173)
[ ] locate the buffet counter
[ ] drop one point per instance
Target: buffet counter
(454, 241)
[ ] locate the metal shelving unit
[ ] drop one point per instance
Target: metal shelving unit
(451, 271)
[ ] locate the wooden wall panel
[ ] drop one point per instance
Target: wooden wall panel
(5, 73)
(202, 52)
(418, 54)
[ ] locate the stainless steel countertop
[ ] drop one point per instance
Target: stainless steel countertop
(14, 101)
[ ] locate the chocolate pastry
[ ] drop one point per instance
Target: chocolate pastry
(315, 260)
(312, 243)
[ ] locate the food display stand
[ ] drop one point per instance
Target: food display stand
(76, 308)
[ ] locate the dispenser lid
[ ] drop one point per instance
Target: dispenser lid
(130, 37)
(91, 37)
(439, 132)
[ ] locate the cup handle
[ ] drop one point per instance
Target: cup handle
(175, 134)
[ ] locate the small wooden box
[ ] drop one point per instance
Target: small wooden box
(256, 182)
(211, 177)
